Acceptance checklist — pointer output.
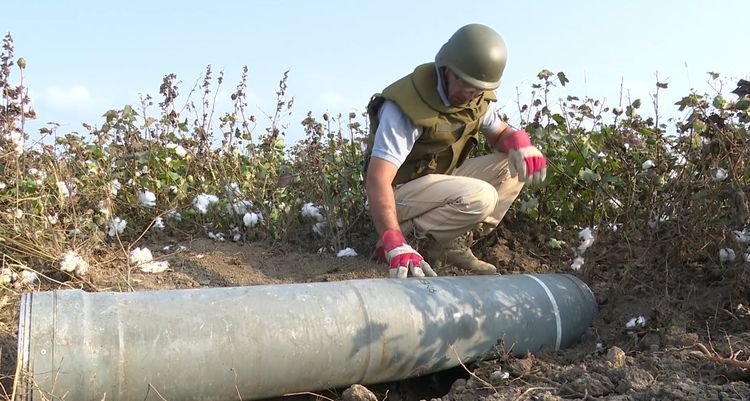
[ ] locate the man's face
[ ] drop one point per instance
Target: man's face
(459, 92)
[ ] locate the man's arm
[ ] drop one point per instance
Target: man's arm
(493, 138)
(380, 175)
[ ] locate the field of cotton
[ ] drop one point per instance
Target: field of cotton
(634, 201)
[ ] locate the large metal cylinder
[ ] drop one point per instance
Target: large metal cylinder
(263, 341)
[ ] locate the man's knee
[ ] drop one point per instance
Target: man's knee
(482, 200)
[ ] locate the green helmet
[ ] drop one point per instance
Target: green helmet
(477, 54)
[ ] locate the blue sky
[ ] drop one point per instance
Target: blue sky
(85, 57)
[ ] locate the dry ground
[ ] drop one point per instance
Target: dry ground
(694, 347)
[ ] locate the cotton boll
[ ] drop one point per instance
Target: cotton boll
(242, 207)
(310, 210)
(727, 255)
(159, 223)
(656, 222)
(529, 204)
(180, 151)
(203, 201)
(647, 165)
(577, 263)
(72, 262)
(346, 252)
(139, 256)
(319, 228)
(743, 236)
(116, 226)
(499, 375)
(147, 198)
(639, 321)
(27, 277)
(53, 219)
(250, 219)
(174, 215)
(7, 276)
(720, 174)
(216, 236)
(115, 186)
(154, 267)
(232, 190)
(62, 188)
(586, 237)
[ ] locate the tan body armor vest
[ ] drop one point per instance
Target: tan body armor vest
(450, 132)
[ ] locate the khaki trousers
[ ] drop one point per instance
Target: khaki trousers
(475, 197)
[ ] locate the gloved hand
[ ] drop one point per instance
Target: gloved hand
(401, 257)
(524, 159)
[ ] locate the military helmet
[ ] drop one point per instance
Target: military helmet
(477, 54)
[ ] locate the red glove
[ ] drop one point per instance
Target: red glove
(401, 257)
(524, 159)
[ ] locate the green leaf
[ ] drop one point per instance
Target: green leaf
(589, 176)
(742, 104)
(555, 243)
(699, 126)
(719, 102)
(700, 195)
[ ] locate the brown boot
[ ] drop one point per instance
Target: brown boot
(457, 253)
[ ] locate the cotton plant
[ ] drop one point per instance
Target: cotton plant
(73, 263)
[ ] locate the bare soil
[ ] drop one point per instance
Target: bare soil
(693, 347)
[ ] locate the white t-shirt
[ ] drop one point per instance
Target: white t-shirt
(396, 133)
